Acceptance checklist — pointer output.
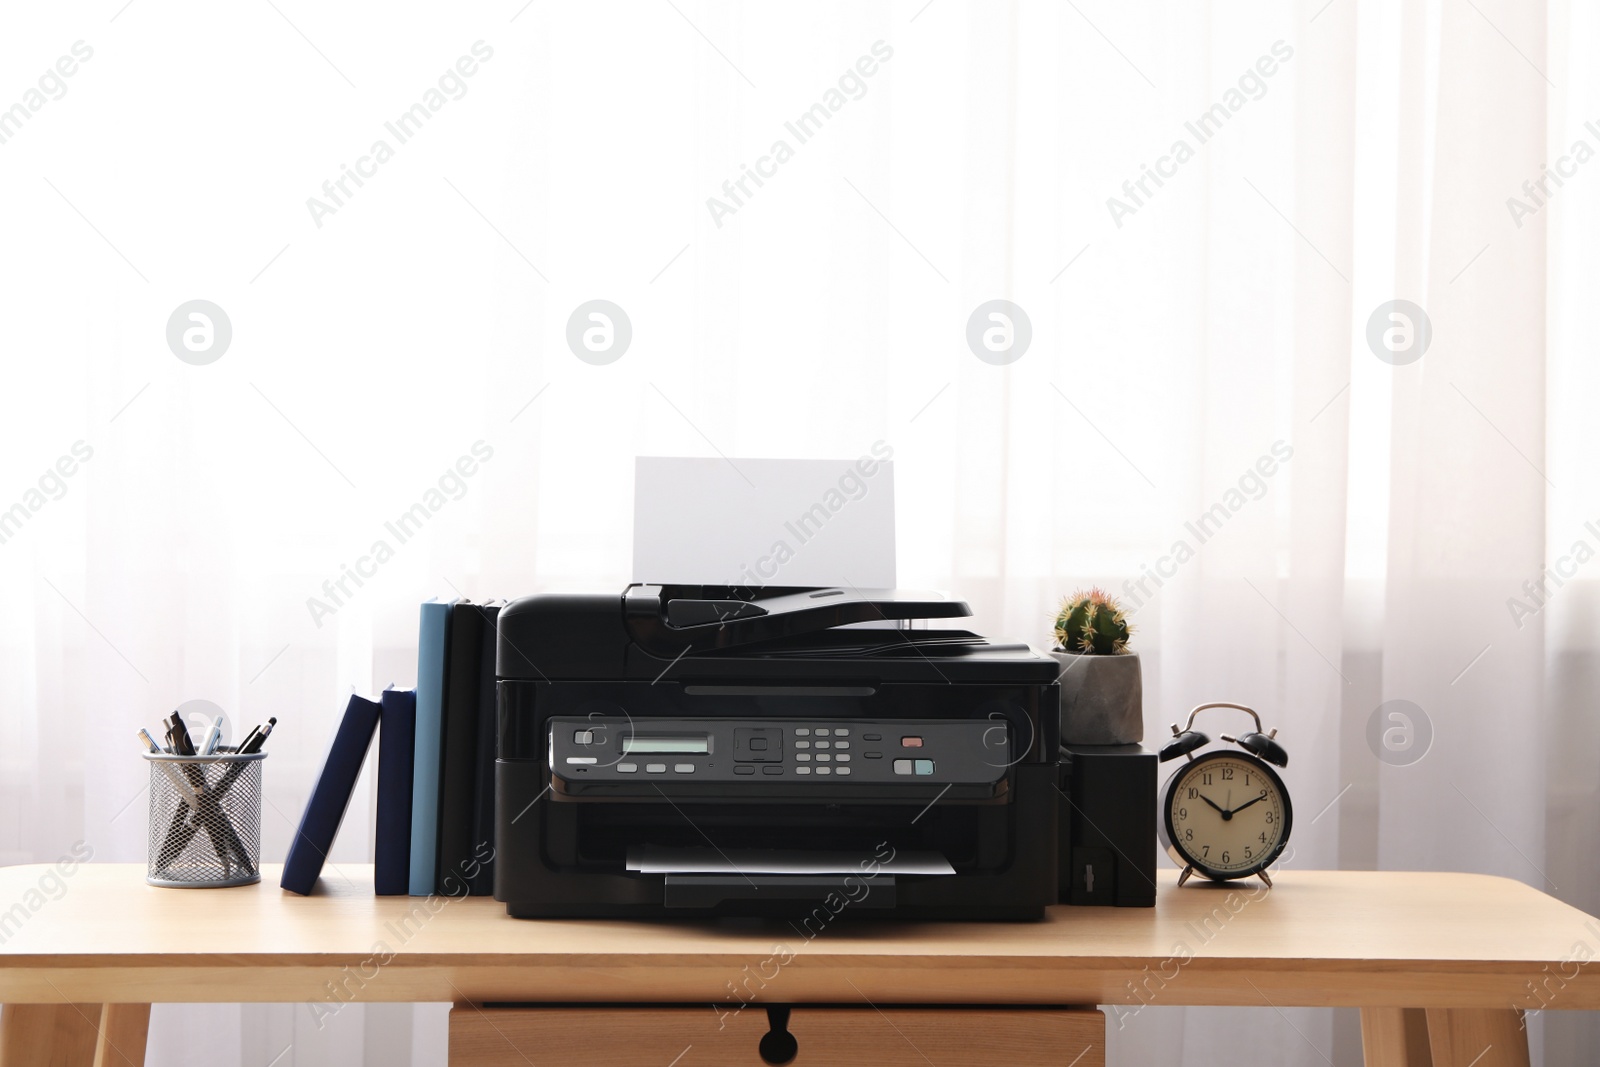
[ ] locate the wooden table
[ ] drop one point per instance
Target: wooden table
(1440, 964)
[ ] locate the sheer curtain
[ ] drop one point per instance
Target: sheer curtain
(1304, 522)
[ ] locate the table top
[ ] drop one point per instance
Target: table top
(1319, 938)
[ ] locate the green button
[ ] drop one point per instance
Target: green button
(924, 766)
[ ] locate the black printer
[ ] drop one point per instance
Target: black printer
(694, 751)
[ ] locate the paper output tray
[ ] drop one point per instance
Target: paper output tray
(703, 891)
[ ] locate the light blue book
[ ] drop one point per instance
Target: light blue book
(432, 643)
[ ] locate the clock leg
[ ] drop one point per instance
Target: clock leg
(1265, 878)
(1184, 877)
(1477, 1037)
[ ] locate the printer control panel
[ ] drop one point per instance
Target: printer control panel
(617, 755)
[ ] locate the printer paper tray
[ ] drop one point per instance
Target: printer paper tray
(651, 859)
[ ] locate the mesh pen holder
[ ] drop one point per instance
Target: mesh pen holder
(205, 820)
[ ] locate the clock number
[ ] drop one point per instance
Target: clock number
(1188, 835)
(1270, 818)
(1247, 852)
(1205, 850)
(1247, 779)
(1194, 794)
(1227, 774)
(1183, 813)
(1225, 857)
(1263, 792)
(1205, 778)
(1263, 838)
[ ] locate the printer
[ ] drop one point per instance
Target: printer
(695, 751)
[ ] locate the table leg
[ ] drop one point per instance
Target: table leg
(1395, 1037)
(48, 1035)
(124, 1033)
(1480, 1037)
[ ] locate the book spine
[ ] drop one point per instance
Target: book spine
(459, 784)
(431, 650)
(397, 724)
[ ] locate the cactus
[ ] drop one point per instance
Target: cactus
(1094, 623)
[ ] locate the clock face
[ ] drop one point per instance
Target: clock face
(1228, 814)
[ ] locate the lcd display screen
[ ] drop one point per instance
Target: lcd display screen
(666, 745)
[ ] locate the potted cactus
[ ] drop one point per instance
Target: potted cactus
(1102, 692)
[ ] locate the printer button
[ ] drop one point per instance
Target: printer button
(843, 757)
(841, 733)
(911, 742)
(824, 770)
(772, 770)
(823, 744)
(924, 766)
(758, 744)
(802, 770)
(822, 733)
(841, 770)
(802, 732)
(656, 768)
(841, 744)
(582, 760)
(872, 737)
(683, 768)
(804, 744)
(805, 757)
(874, 755)
(627, 768)
(902, 766)
(824, 758)
(583, 737)
(744, 770)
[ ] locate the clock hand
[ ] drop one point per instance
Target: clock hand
(1226, 815)
(1247, 803)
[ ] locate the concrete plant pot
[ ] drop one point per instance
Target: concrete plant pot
(1102, 699)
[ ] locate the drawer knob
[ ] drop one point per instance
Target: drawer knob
(778, 1045)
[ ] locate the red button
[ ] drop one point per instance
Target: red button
(911, 742)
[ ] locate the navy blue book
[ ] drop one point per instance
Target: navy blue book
(397, 734)
(331, 796)
(458, 789)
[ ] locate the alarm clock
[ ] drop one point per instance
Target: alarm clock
(1227, 813)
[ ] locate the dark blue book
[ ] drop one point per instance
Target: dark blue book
(432, 645)
(482, 881)
(313, 840)
(458, 789)
(397, 734)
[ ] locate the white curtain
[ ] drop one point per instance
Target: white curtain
(1199, 423)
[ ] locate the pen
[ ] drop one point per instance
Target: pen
(242, 745)
(255, 743)
(178, 736)
(213, 737)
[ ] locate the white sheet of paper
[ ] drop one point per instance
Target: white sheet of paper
(653, 859)
(764, 522)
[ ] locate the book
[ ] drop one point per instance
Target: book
(397, 738)
(458, 788)
(319, 825)
(488, 740)
(432, 646)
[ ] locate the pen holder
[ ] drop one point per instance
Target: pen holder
(205, 820)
